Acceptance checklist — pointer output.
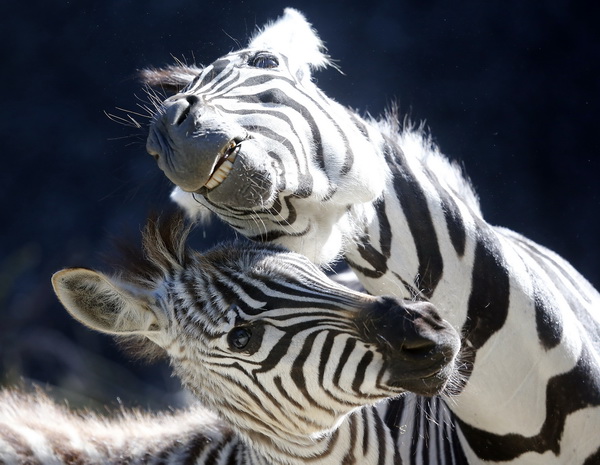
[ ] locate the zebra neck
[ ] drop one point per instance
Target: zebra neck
(362, 437)
(426, 238)
(416, 238)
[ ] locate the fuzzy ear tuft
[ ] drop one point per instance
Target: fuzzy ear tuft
(103, 304)
(293, 36)
(171, 79)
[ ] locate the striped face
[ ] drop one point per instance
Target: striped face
(253, 139)
(294, 351)
(263, 337)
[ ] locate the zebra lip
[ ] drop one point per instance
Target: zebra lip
(223, 164)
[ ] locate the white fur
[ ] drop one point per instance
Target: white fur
(293, 36)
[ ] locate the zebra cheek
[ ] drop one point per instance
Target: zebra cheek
(250, 184)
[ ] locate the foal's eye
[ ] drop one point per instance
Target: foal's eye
(239, 338)
(264, 60)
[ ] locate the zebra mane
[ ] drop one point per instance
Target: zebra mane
(163, 250)
(172, 78)
(416, 140)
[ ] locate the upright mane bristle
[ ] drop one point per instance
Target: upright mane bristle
(164, 240)
(163, 249)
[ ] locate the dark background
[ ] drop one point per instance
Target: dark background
(508, 88)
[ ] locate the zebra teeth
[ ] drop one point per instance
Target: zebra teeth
(223, 165)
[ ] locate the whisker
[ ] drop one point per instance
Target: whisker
(128, 120)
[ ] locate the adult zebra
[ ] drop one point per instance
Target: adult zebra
(291, 361)
(252, 138)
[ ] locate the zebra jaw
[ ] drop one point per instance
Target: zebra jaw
(223, 164)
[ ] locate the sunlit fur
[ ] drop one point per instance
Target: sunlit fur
(35, 430)
(326, 182)
(318, 372)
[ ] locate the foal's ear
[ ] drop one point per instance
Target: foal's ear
(104, 304)
(171, 79)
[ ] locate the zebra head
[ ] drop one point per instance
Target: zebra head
(252, 138)
(261, 335)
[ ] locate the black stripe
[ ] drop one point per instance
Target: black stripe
(376, 259)
(348, 348)
(270, 236)
(349, 458)
(414, 293)
(393, 414)
(325, 354)
(458, 454)
(454, 223)
(380, 434)
(548, 319)
(593, 459)
(416, 438)
(385, 230)
(427, 414)
(366, 441)
(284, 393)
(361, 270)
(566, 393)
(297, 374)
(215, 453)
(416, 211)
(314, 299)
(361, 369)
(234, 457)
(490, 291)
(305, 181)
(292, 215)
(445, 447)
(210, 73)
(277, 96)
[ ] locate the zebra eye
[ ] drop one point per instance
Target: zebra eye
(239, 338)
(264, 60)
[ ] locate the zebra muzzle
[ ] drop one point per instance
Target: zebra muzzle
(419, 347)
(192, 145)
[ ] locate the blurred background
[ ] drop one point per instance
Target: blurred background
(509, 89)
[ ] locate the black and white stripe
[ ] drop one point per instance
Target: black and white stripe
(319, 179)
(298, 367)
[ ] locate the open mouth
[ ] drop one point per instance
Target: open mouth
(223, 164)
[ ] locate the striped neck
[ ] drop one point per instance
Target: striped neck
(426, 238)
(353, 441)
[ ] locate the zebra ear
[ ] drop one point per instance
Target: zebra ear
(171, 79)
(104, 304)
(293, 36)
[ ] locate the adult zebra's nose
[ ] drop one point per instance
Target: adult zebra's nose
(187, 141)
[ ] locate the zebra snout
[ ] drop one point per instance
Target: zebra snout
(418, 345)
(192, 145)
(178, 108)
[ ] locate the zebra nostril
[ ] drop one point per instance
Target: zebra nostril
(179, 107)
(151, 148)
(418, 348)
(183, 116)
(192, 99)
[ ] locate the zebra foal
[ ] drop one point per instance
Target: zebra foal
(296, 367)
(251, 138)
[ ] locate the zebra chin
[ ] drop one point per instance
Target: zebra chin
(420, 349)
